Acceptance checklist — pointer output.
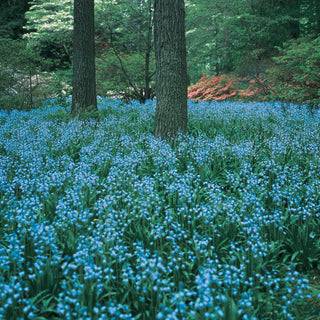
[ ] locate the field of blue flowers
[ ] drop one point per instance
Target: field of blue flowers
(100, 220)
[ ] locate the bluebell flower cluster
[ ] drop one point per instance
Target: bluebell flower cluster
(100, 220)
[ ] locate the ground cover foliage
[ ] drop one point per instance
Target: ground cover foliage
(100, 220)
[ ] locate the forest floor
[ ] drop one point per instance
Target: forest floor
(100, 220)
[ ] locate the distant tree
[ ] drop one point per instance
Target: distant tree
(49, 28)
(84, 81)
(171, 68)
(125, 49)
(12, 18)
(124, 43)
(241, 36)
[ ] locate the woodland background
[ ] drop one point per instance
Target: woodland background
(237, 50)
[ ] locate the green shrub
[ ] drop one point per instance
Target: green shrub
(124, 75)
(296, 75)
(23, 82)
(20, 67)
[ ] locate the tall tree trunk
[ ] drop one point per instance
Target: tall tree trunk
(171, 68)
(84, 96)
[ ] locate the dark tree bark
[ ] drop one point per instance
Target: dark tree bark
(84, 96)
(171, 68)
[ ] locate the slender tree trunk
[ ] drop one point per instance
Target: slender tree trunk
(147, 92)
(30, 89)
(171, 68)
(84, 79)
